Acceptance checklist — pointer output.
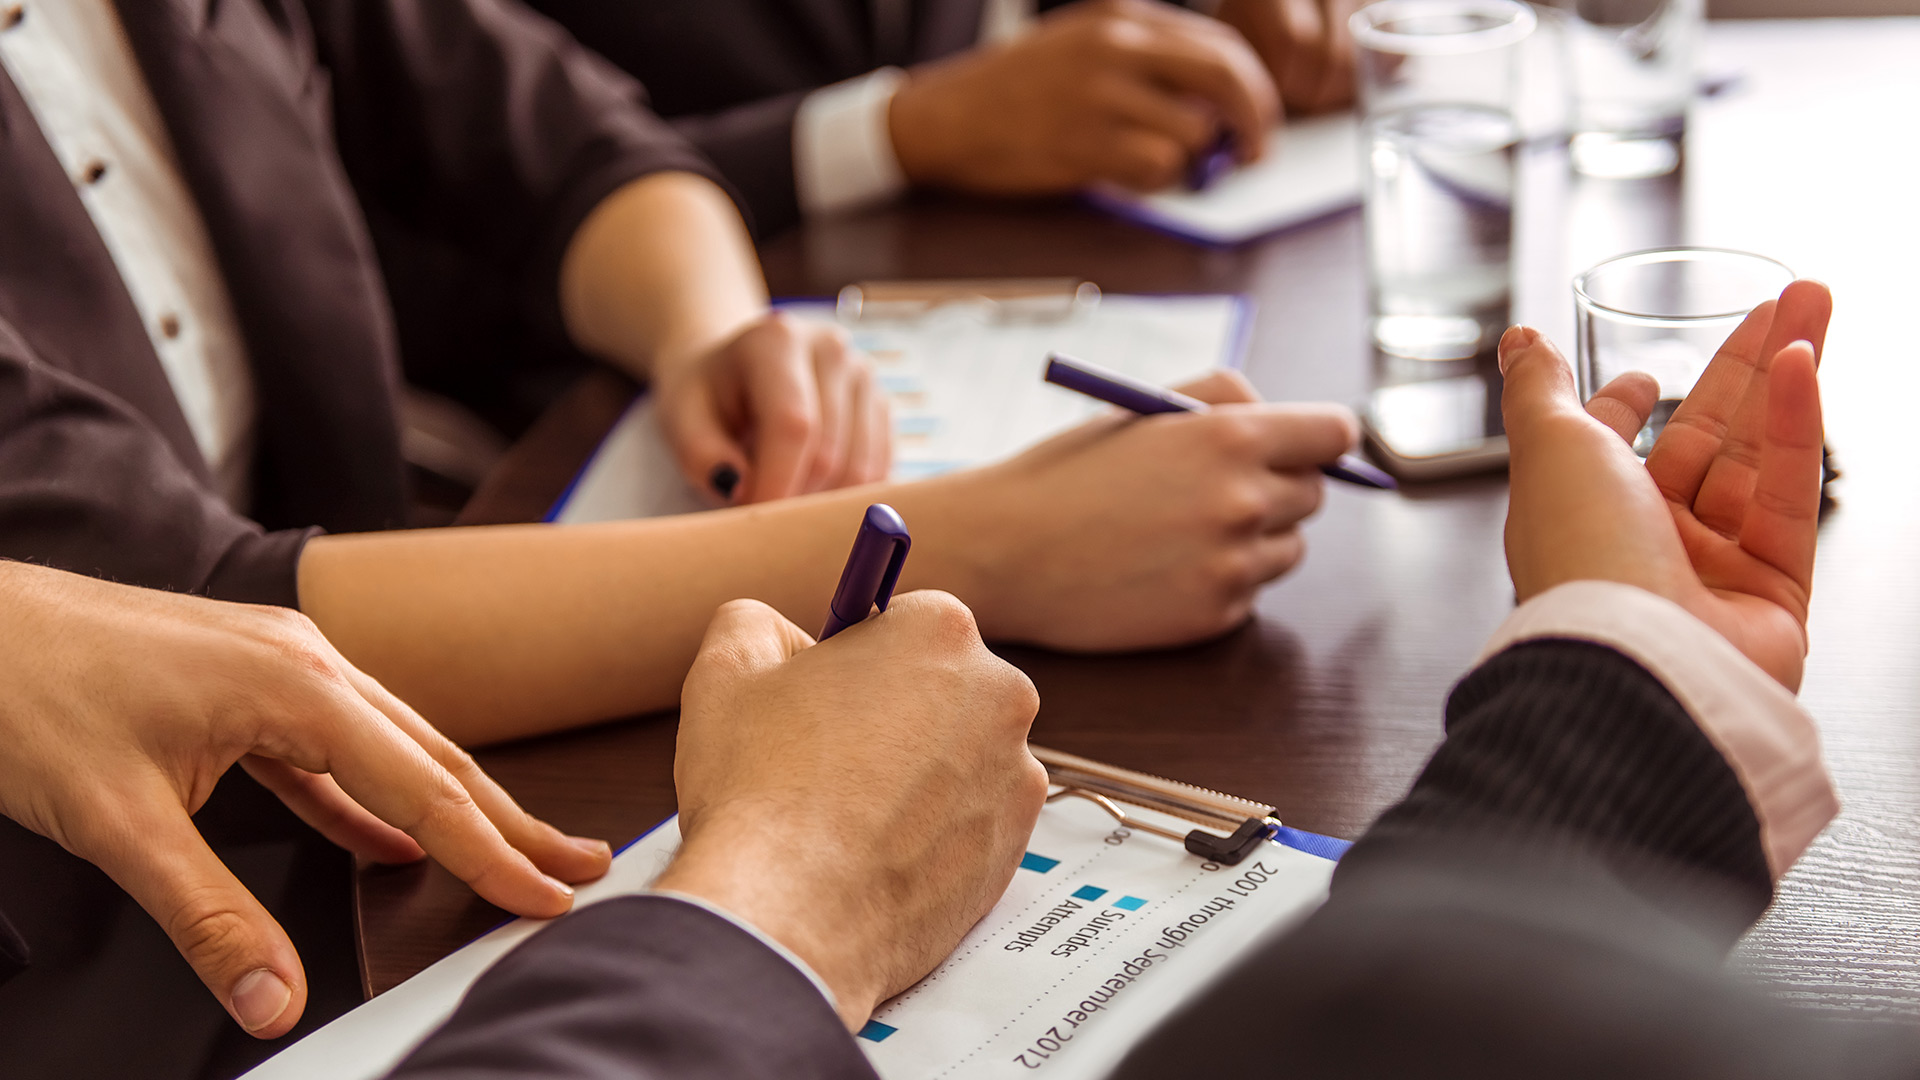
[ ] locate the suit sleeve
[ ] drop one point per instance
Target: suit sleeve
(641, 988)
(88, 485)
(485, 125)
(1554, 897)
(752, 145)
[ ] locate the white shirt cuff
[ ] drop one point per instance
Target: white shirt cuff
(757, 934)
(1771, 743)
(843, 155)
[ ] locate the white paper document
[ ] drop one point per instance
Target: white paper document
(964, 386)
(1312, 169)
(1102, 932)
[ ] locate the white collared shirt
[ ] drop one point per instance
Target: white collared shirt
(74, 65)
(843, 156)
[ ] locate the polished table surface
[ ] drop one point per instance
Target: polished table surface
(1328, 702)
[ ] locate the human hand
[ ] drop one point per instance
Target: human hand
(1142, 532)
(123, 708)
(864, 801)
(1723, 517)
(785, 407)
(1126, 91)
(1305, 44)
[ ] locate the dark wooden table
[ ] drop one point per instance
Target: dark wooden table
(1327, 704)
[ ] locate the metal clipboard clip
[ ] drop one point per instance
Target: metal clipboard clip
(998, 300)
(1246, 823)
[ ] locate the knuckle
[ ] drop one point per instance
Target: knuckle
(947, 617)
(1234, 436)
(1232, 573)
(446, 807)
(209, 931)
(790, 421)
(1243, 506)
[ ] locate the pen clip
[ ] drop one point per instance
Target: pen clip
(895, 563)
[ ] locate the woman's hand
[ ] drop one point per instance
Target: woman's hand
(122, 709)
(784, 407)
(1723, 517)
(1143, 532)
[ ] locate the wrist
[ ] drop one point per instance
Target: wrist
(914, 124)
(683, 349)
(779, 888)
(966, 535)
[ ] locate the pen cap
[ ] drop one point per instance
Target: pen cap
(880, 551)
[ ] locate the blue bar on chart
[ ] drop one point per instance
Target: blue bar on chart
(1089, 892)
(1039, 864)
(1129, 903)
(875, 1031)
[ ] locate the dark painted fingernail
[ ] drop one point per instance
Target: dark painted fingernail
(724, 479)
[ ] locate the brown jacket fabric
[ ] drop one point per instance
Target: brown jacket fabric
(471, 124)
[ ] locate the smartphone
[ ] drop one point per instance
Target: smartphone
(1436, 428)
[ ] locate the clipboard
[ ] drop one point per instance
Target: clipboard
(960, 361)
(1230, 827)
(1102, 822)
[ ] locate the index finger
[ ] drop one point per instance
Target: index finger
(784, 402)
(1782, 519)
(1698, 427)
(395, 777)
(1801, 315)
(1296, 436)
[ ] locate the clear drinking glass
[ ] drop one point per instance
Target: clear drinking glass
(1437, 86)
(1632, 65)
(1666, 313)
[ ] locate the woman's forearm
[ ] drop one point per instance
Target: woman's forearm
(662, 269)
(500, 632)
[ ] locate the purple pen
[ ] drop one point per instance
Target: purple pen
(1145, 398)
(1217, 160)
(873, 569)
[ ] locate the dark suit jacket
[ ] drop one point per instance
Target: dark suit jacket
(1553, 898)
(471, 126)
(468, 121)
(731, 74)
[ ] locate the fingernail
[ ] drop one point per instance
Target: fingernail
(260, 999)
(1516, 337)
(591, 846)
(724, 478)
(564, 888)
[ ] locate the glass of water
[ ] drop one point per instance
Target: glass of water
(1666, 313)
(1632, 64)
(1437, 85)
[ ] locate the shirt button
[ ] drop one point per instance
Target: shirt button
(169, 326)
(95, 170)
(11, 15)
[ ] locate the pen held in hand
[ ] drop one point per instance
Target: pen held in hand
(1145, 398)
(873, 569)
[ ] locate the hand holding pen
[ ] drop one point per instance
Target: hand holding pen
(1112, 387)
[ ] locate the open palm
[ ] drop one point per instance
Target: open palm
(1739, 465)
(1723, 517)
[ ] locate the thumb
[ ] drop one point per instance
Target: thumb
(1539, 383)
(710, 457)
(232, 943)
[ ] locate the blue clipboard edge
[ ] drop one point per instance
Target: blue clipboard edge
(1239, 336)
